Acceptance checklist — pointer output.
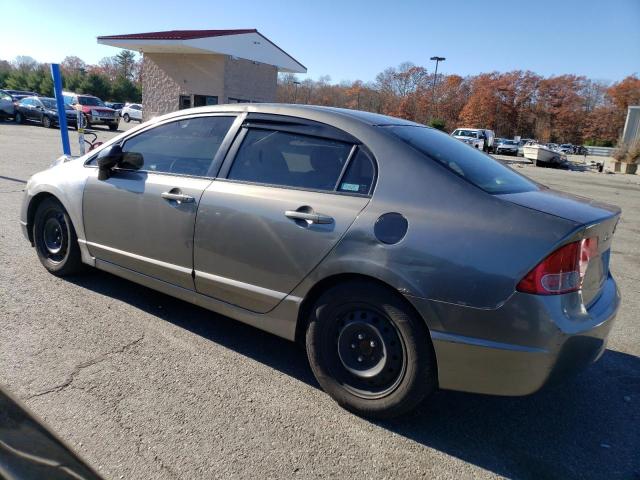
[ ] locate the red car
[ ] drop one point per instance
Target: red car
(94, 110)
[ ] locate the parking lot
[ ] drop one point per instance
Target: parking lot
(144, 386)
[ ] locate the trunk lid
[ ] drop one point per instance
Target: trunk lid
(592, 219)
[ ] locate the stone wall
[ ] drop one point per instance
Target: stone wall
(166, 76)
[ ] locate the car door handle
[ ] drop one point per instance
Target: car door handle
(178, 197)
(310, 217)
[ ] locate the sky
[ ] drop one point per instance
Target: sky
(351, 40)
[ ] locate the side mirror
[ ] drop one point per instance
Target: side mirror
(133, 160)
(107, 159)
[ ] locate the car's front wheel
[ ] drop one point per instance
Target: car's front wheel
(370, 351)
(55, 239)
(113, 127)
(126, 117)
(19, 118)
(46, 122)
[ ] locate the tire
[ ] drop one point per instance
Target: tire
(126, 117)
(19, 118)
(55, 239)
(113, 127)
(366, 322)
(46, 122)
(87, 123)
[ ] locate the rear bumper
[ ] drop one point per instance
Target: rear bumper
(518, 348)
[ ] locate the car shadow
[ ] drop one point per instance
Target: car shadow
(587, 427)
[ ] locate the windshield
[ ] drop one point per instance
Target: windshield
(508, 142)
(467, 162)
(466, 133)
(90, 101)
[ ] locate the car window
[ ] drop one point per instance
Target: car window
(90, 101)
(185, 147)
(465, 161)
(49, 103)
(359, 175)
(289, 159)
(26, 101)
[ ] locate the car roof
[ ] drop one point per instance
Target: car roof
(302, 111)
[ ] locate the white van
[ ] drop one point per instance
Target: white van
(480, 138)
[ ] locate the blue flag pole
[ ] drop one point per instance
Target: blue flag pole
(62, 115)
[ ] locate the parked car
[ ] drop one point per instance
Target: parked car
(469, 136)
(16, 96)
(7, 108)
(94, 110)
(132, 111)
(115, 106)
(44, 111)
(507, 147)
(567, 148)
(402, 258)
(20, 94)
(479, 138)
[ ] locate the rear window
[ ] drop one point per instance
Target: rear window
(465, 161)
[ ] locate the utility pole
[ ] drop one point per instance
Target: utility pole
(295, 95)
(433, 90)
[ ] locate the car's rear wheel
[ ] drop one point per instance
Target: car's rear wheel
(46, 122)
(55, 239)
(19, 118)
(126, 117)
(369, 351)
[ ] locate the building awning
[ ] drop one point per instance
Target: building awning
(248, 44)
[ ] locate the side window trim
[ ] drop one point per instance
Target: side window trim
(353, 157)
(217, 160)
(345, 166)
(230, 158)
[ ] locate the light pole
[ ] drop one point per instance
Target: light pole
(435, 78)
(295, 95)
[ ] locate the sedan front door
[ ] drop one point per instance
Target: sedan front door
(287, 199)
(143, 220)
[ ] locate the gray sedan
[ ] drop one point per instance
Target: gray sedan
(402, 258)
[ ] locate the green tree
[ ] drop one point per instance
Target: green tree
(437, 123)
(17, 80)
(124, 90)
(71, 81)
(126, 61)
(95, 84)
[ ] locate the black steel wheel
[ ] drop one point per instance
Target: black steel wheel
(371, 355)
(369, 350)
(55, 239)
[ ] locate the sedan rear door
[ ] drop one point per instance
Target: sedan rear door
(284, 198)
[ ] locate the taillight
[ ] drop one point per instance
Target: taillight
(561, 272)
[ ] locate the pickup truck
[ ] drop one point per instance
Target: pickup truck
(480, 138)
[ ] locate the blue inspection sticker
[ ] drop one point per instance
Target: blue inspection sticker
(350, 187)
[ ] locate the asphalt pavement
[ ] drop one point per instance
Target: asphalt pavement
(144, 386)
